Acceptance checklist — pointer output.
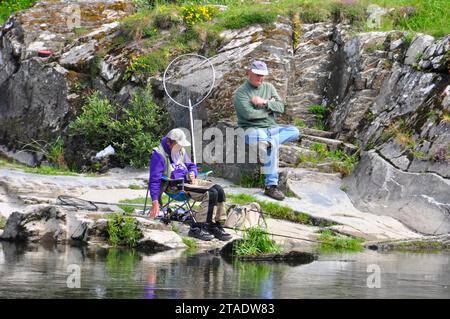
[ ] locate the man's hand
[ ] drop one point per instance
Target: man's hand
(258, 101)
(191, 176)
(155, 209)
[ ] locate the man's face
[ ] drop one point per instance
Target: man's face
(255, 79)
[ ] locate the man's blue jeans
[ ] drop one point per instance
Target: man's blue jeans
(275, 136)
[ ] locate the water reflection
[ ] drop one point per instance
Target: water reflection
(34, 271)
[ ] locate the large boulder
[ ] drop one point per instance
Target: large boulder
(419, 200)
(43, 223)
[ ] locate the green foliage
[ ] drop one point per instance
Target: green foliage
(53, 152)
(407, 39)
(255, 242)
(194, 13)
(123, 230)
(329, 242)
(341, 161)
(250, 181)
(146, 65)
(300, 123)
(318, 110)
(133, 130)
(190, 243)
(7, 7)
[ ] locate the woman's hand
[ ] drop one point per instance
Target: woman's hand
(155, 209)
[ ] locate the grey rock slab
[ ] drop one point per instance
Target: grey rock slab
(418, 200)
(160, 240)
(321, 197)
(418, 46)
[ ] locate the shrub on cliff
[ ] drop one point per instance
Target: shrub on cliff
(132, 130)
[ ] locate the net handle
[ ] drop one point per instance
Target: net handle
(210, 89)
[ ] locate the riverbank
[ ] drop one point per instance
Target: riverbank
(324, 200)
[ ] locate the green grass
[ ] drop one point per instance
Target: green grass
(250, 181)
(300, 123)
(244, 15)
(255, 242)
(2, 222)
(48, 170)
(430, 17)
(7, 7)
(273, 210)
(139, 200)
(190, 243)
(136, 187)
(329, 242)
(340, 161)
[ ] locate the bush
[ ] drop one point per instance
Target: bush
(133, 131)
(194, 13)
(123, 230)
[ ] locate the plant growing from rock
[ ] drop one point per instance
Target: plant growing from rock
(2, 222)
(123, 230)
(330, 242)
(52, 152)
(255, 242)
(194, 13)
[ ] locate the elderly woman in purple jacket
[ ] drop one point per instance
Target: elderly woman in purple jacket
(170, 159)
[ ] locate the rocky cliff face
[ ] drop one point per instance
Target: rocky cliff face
(38, 91)
(385, 92)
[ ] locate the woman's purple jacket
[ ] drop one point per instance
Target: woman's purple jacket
(158, 166)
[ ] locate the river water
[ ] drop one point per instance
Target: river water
(36, 271)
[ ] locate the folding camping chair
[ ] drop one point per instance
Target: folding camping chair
(179, 206)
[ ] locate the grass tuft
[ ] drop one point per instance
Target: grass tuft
(329, 242)
(255, 242)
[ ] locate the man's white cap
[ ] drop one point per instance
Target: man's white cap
(259, 67)
(178, 136)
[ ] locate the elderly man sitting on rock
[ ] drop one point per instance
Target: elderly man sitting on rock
(257, 103)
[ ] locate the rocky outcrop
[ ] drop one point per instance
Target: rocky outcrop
(37, 91)
(420, 200)
(43, 224)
